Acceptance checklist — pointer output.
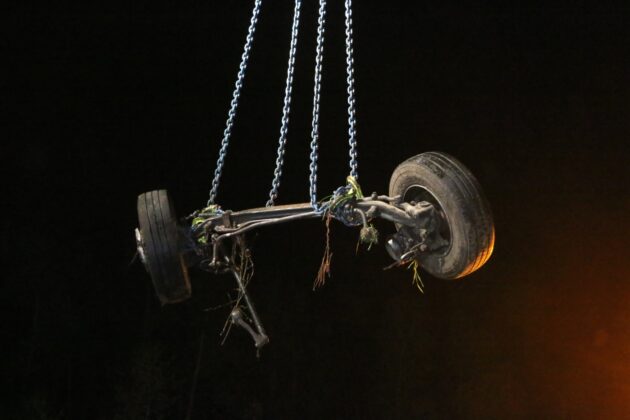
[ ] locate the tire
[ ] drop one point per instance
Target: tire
(466, 219)
(161, 248)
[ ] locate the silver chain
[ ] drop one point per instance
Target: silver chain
(282, 142)
(234, 104)
(352, 121)
(273, 194)
(321, 22)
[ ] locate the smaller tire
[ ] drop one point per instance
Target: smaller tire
(160, 247)
(466, 222)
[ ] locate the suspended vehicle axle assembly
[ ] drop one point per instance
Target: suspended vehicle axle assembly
(442, 221)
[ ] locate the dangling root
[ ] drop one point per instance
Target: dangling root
(334, 205)
(417, 281)
(324, 268)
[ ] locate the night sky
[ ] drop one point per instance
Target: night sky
(102, 103)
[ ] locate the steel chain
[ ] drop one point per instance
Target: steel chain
(321, 22)
(352, 132)
(234, 103)
(282, 142)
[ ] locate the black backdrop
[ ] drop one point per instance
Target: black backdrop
(105, 102)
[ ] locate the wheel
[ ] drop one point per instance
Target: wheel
(159, 247)
(466, 231)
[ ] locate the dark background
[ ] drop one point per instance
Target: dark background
(102, 103)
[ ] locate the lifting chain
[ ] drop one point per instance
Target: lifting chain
(234, 103)
(284, 128)
(352, 133)
(352, 121)
(319, 56)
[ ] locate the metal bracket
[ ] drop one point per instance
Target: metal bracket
(236, 316)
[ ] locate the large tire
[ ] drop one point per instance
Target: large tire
(465, 215)
(161, 247)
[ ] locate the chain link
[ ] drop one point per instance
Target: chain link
(234, 103)
(321, 22)
(352, 132)
(282, 142)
